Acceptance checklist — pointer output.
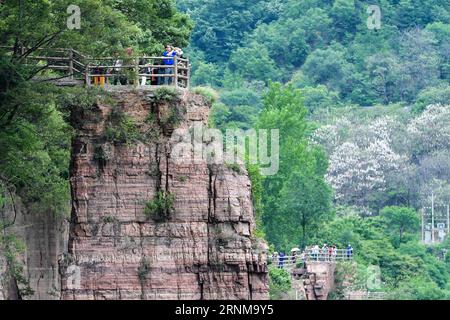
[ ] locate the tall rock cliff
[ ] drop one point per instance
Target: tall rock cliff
(145, 226)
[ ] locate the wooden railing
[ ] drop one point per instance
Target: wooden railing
(73, 67)
(142, 71)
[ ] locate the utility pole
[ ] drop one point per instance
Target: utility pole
(432, 217)
(423, 225)
(448, 220)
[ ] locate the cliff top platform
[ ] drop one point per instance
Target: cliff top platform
(69, 67)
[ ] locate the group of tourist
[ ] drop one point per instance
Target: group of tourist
(159, 72)
(325, 253)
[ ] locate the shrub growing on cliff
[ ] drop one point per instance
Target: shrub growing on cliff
(12, 248)
(160, 208)
(279, 283)
(234, 167)
(166, 94)
(208, 93)
(173, 117)
(144, 269)
(102, 154)
(121, 129)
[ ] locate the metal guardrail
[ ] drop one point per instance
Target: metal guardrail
(369, 295)
(311, 256)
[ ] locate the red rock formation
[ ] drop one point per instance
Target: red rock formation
(316, 281)
(202, 248)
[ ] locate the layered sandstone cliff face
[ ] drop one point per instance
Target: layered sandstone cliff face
(202, 247)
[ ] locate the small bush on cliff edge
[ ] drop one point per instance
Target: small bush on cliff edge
(171, 116)
(166, 94)
(160, 208)
(208, 93)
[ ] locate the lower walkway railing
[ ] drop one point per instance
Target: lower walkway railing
(311, 256)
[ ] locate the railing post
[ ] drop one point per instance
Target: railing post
(188, 73)
(71, 64)
(136, 72)
(175, 70)
(87, 75)
(448, 220)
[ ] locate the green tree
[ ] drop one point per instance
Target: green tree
(329, 67)
(432, 95)
(206, 74)
(319, 99)
(107, 26)
(305, 200)
(399, 221)
(254, 63)
(301, 172)
(345, 18)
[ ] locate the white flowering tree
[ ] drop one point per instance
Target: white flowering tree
(362, 159)
(430, 131)
(386, 160)
(355, 173)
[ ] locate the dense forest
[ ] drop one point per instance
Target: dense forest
(363, 117)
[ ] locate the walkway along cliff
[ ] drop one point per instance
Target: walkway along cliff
(144, 226)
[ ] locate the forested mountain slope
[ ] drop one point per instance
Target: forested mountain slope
(363, 115)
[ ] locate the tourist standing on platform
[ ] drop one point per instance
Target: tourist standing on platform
(330, 252)
(281, 260)
(335, 252)
(304, 257)
(169, 63)
(315, 252)
(145, 70)
(130, 72)
(324, 252)
(116, 71)
(349, 251)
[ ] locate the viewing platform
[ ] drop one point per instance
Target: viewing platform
(69, 67)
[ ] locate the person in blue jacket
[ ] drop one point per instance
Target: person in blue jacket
(281, 260)
(169, 62)
(349, 251)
